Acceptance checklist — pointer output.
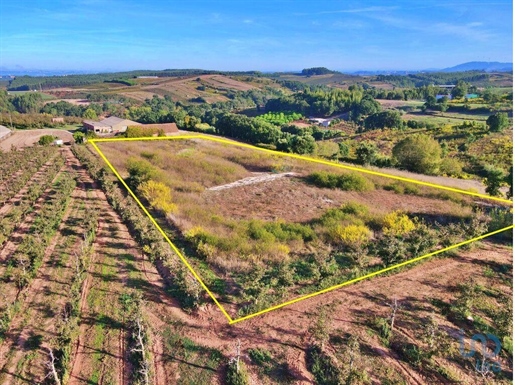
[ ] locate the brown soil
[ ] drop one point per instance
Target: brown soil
(118, 264)
(41, 302)
(292, 200)
(106, 280)
(19, 195)
(27, 138)
(285, 330)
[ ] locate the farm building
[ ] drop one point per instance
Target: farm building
(111, 125)
(320, 121)
(57, 120)
(114, 125)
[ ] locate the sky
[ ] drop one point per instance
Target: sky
(264, 35)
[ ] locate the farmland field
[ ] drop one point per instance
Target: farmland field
(261, 229)
(66, 252)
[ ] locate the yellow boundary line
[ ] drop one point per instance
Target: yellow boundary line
(295, 156)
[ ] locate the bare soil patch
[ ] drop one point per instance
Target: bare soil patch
(27, 138)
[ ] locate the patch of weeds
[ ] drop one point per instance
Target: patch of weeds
(197, 364)
(488, 272)
(322, 366)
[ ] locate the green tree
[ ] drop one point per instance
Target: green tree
(430, 102)
(498, 121)
(343, 149)
(28, 102)
(494, 180)
(90, 114)
(79, 137)
(304, 144)
(384, 119)
(509, 181)
(140, 171)
(460, 90)
(367, 153)
(419, 153)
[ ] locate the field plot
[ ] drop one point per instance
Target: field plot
(263, 229)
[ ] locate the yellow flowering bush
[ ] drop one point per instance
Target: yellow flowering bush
(158, 195)
(352, 235)
(397, 223)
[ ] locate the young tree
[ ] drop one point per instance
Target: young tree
(79, 137)
(494, 180)
(367, 153)
(45, 140)
(498, 121)
(419, 153)
(320, 326)
(509, 181)
(460, 90)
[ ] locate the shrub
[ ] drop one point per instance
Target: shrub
(355, 182)
(352, 235)
(45, 140)
(346, 182)
(260, 356)
(396, 187)
(323, 368)
(411, 189)
(279, 231)
(394, 249)
(397, 223)
(419, 153)
(451, 167)
(158, 195)
(382, 325)
(140, 171)
(409, 352)
(501, 218)
(236, 376)
(354, 209)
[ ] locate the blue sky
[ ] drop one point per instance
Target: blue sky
(261, 35)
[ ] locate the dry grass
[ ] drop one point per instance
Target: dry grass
(190, 167)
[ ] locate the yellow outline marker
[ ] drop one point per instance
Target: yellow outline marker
(295, 156)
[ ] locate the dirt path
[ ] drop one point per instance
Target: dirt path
(100, 354)
(462, 184)
(262, 177)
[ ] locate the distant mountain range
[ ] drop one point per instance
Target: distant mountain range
(493, 66)
(470, 66)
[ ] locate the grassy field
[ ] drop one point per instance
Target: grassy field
(263, 228)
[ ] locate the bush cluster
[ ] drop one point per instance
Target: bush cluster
(346, 182)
